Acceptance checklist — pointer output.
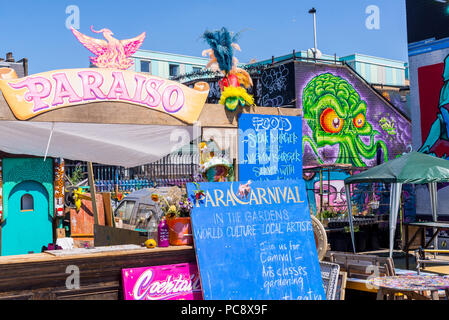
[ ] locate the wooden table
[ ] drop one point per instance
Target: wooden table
(438, 226)
(43, 276)
(413, 287)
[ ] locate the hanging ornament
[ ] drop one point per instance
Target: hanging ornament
(213, 167)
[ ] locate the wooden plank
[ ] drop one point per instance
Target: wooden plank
(84, 251)
(413, 238)
(45, 257)
(110, 236)
(92, 191)
(342, 283)
(437, 269)
(82, 221)
(100, 273)
(60, 233)
(212, 115)
(359, 286)
(108, 214)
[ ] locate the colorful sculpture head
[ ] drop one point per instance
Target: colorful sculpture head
(336, 114)
(213, 167)
(221, 58)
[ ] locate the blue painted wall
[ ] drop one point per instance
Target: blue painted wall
(24, 231)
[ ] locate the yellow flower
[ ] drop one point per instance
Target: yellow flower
(155, 197)
(203, 145)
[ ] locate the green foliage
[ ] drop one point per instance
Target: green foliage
(329, 213)
(77, 175)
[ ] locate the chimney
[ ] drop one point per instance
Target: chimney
(9, 57)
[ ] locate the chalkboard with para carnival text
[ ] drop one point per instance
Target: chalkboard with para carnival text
(255, 241)
(270, 147)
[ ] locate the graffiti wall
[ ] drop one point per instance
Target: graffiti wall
(345, 120)
(331, 197)
(399, 99)
(276, 86)
(273, 86)
(428, 50)
(326, 194)
(434, 106)
(430, 117)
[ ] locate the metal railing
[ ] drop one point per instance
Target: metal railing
(172, 170)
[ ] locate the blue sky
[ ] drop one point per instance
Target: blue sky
(36, 29)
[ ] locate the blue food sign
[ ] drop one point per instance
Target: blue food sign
(270, 147)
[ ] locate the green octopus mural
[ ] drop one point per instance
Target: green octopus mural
(337, 115)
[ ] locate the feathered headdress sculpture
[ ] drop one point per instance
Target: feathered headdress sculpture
(221, 58)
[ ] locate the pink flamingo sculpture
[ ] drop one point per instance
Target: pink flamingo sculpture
(112, 53)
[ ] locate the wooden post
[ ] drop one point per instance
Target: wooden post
(236, 168)
(92, 191)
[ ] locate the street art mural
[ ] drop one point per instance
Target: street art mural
(346, 122)
(433, 124)
(434, 106)
(337, 116)
(365, 198)
(332, 198)
(398, 99)
(428, 51)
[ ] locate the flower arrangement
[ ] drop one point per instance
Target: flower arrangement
(169, 208)
(185, 206)
(174, 204)
(171, 211)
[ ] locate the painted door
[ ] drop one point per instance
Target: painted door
(28, 225)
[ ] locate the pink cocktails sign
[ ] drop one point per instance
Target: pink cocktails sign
(168, 282)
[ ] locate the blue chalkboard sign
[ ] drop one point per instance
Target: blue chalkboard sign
(255, 242)
(270, 147)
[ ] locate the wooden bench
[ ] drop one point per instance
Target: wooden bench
(362, 266)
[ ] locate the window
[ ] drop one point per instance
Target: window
(174, 70)
(125, 210)
(145, 66)
(196, 69)
(143, 216)
(27, 202)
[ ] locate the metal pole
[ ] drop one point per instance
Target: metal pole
(313, 11)
(314, 33)
(92, 191)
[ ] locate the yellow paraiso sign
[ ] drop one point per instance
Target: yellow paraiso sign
(43, 92)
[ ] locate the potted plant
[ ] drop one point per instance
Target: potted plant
(327, 214)
(177, 209)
